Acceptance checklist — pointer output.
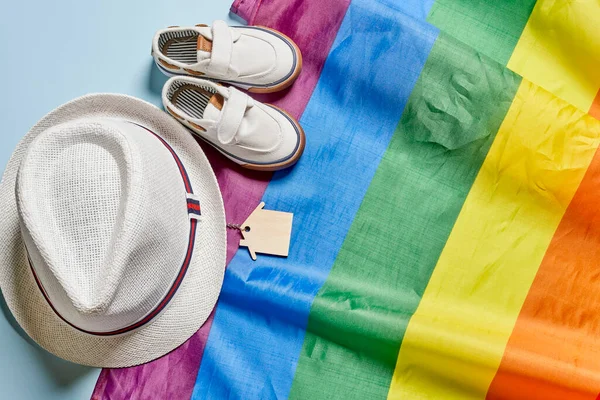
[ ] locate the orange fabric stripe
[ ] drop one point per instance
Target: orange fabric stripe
(595, 109)
(554, 350)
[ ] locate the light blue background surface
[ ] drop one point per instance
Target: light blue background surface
(54, 51)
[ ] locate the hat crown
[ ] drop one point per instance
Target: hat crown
(102, 207)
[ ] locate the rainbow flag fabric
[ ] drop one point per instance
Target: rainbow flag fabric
(446, 240)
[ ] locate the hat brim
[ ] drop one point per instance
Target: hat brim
(195, 298)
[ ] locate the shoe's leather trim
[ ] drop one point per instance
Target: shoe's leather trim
(192, 72)
(203, 44)
(167, 65)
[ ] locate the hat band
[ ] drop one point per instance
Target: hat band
(193, 206)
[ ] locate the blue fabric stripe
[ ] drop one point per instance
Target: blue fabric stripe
(260, 321)
(417, 9)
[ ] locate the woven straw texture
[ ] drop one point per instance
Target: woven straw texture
(197, 294)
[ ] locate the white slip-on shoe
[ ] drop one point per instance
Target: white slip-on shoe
(258, 59)
(255, 135)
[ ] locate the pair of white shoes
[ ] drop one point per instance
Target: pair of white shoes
(260, 60)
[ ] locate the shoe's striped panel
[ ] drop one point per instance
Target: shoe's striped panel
(189, 98)
(179, 45)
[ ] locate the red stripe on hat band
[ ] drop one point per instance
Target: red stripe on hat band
(188, 185)
(184, 267)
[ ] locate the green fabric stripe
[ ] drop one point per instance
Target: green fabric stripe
(492, 27)
(360, 315)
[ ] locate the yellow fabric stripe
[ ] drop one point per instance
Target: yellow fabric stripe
(559, 50)
(455, 341)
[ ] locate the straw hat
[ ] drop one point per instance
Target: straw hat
(112, 232)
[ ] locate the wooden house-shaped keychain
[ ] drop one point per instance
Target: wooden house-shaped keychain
(267, 232)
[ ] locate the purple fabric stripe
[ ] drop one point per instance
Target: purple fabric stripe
(245, 9)
(173, 376)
